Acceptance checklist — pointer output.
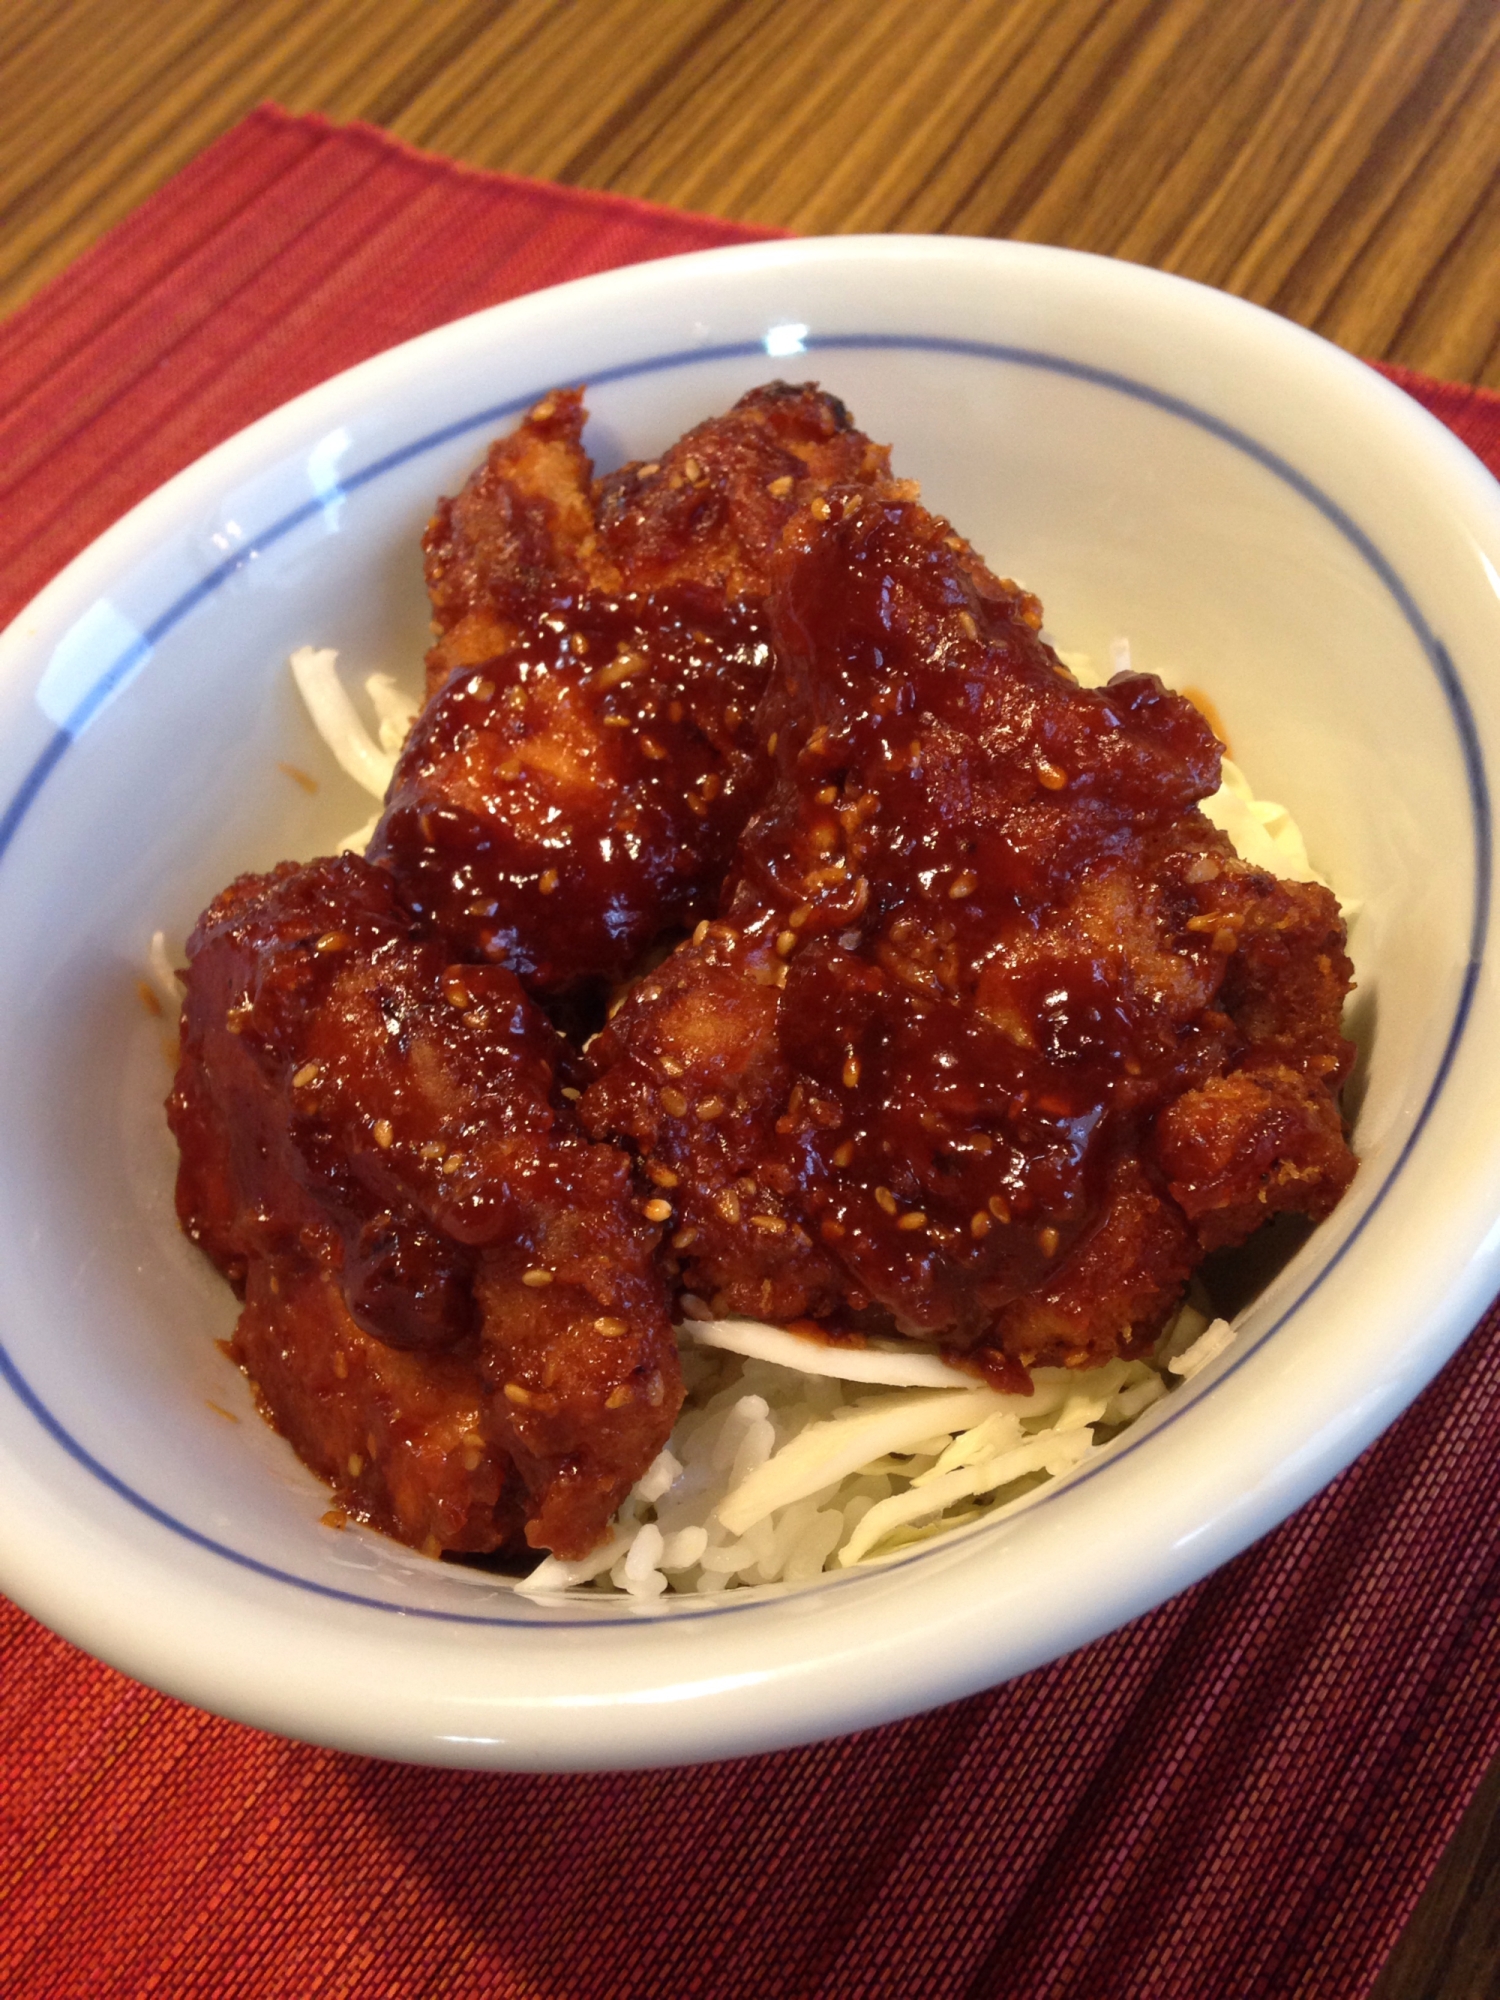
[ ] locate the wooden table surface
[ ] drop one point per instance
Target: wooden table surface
(1336, 160)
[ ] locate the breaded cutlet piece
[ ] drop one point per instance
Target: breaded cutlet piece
(995, 1034)
(573, 789)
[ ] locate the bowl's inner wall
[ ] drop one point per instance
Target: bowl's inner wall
(1127, 520)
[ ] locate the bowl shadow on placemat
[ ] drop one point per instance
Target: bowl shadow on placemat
(750, 1876)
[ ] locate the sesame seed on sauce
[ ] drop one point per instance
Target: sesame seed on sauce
(657, 1210)
(385, 1134)
(536, 1278)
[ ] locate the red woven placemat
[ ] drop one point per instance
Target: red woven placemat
(1239, 1795)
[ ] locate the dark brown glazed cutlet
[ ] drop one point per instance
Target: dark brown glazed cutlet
(451, 1307)
(575, 785)
(994, 1035)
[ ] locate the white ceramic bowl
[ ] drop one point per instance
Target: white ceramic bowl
(1263, 517)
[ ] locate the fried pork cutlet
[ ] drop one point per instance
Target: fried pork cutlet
(585, 763)
(451, 1309)
(995, 1035)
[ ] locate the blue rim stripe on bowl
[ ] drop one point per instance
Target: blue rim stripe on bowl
(126, 663)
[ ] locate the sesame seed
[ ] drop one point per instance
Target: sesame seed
(963, 885)
(457, 994)
(571, 1092)
(728, 1205)
(481, 688)
(514, 1393)
(1053, 776)
(1225, 941)
(710, 1108)
(966, 620)
(657, 1210)
(536, 1278)
(656, 1389)
(611, 1328)
(771, 741)
(356, 1465)
(799, 916)
(308, 1074)
(332, 941)
(843, 1154)
(826, 794)
(663, 1176)
(999, 1208)
(820, 509)
(652, 749)
(913, 1219)
(1047, 1239)
(340, 1364)
(674, 1103)
(701, 932)
(547, 881)
(786, 943)
(979, 1223)
(692, 470)
(385, 1134)
(771, 1224)
(626, 664)
(471, 1460)
(684, 1239)
(618, 1398)
(452, 1164)
(779, 488)
(851, 1072)
(886, 1200)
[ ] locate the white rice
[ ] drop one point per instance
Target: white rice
(792, 1457)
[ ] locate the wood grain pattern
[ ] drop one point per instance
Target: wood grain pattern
(1336, 160)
